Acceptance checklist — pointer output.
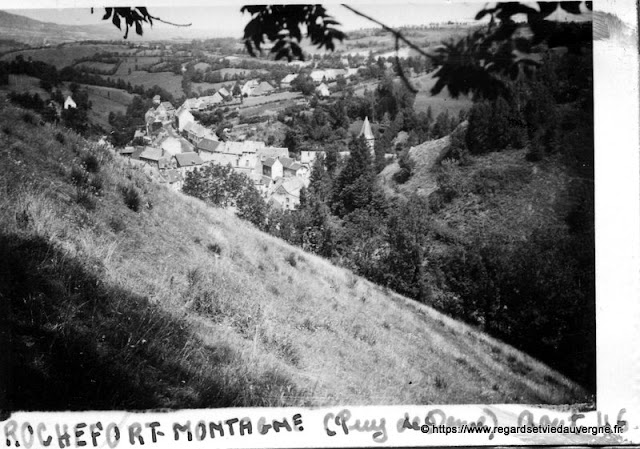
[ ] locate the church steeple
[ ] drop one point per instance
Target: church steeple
(367, 133)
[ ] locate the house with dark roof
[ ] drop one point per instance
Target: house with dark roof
(195, 132)
(272, 167)
(151, 156)
(188, 161)
(209, 145)
(292, 168)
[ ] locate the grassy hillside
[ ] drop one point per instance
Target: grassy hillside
(118, 293)
(439, 103)
(512, 237)
(64, 55)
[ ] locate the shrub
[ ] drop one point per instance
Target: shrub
(132, 198)
(117, 224)
(79, 177)
(85, 199)
(214, 248)
(29, 118)
(291, 258)
(96, 183)
(91, 163)
(440, 382)
(407, 166)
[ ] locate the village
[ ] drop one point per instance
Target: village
(190, 223)
(174, 143)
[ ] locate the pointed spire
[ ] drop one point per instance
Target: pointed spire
(366, 130)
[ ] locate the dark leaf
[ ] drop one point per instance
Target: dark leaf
(571, 7)
(107, 13)
(116, 20)
(547, 8)
(483, 13)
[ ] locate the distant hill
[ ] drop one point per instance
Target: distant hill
(37, 33)
(124, 294)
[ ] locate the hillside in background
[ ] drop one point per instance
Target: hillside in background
(36, 33)
(119, 293)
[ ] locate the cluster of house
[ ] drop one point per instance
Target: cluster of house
(175, 143)
(322, 78)
(172, 155)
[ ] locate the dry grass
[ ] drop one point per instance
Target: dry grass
(141, 297)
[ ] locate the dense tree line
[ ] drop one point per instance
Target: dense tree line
(125, 125)
(221, 186)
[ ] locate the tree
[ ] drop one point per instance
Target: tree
(407, 238)
(407, 166)
(303, 84)
(354, 186)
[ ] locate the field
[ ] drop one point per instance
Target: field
(440, 102)
(384, 44)
(95, 65)
(262, 99)
(202, 66)
(130, 63)
(179, 305)
(105, 100)
(25, 83)
(169, 81)
(66, 55)
(253, 106)
(203, 87)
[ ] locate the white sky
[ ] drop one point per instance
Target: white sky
(225, 19)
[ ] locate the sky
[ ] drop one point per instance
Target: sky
(225, 19)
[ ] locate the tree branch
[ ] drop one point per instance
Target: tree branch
(171, 23)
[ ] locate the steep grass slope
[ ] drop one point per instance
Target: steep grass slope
(176, 304)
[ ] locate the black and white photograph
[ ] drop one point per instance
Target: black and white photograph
(227, 206)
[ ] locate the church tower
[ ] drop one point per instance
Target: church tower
(367, 133)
